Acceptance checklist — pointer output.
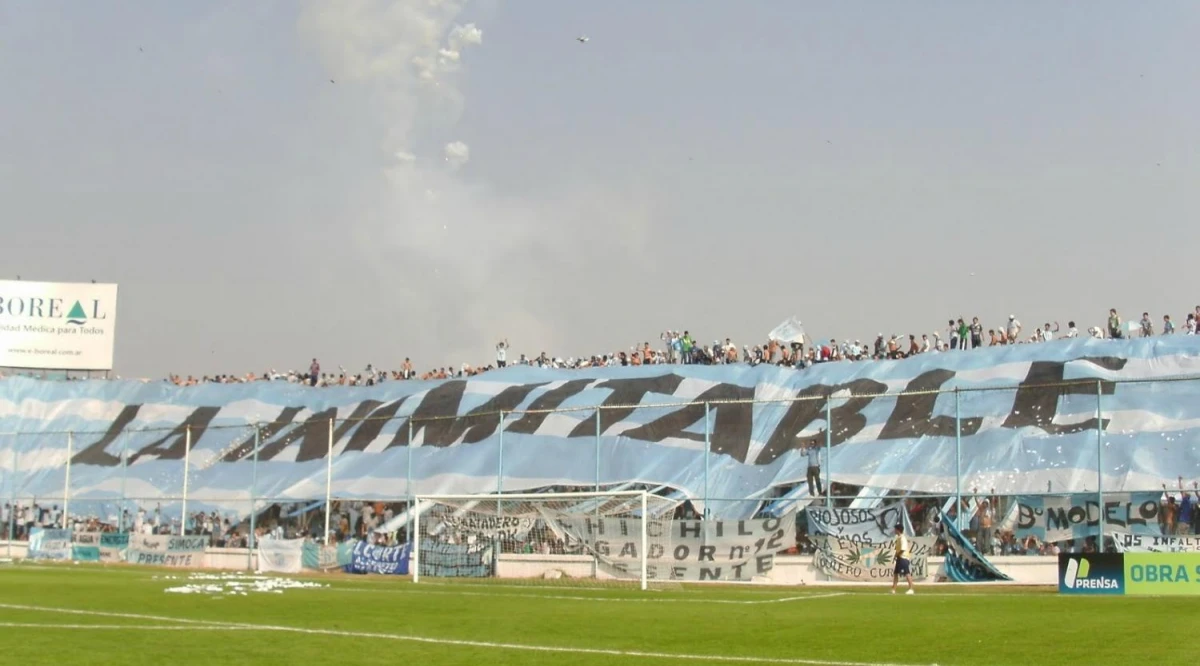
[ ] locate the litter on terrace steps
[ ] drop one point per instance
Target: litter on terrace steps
(236, 585)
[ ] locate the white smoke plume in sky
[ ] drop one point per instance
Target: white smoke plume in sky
(457, 153)
(464, 265)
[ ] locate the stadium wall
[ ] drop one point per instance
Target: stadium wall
(789, 569)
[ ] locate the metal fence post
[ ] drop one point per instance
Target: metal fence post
(252, 538)
(597, 450)
(828, 453)
(408, 475)
(124, 476)
(500, 459)
(12, 507)
(500, 480)
(187, 463)
(329, 481)
(411, 523)
(707, 450)
(957, 460)
(66, 519)
(1100, 465)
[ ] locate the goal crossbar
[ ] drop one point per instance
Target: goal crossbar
(531, 496)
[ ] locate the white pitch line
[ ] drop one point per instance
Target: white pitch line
(112, 627)
(123, 616)
(947, 595)
(742, 588)
(799, 598)
(564, 597)
(519, 647)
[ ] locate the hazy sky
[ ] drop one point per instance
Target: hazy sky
(697, 164)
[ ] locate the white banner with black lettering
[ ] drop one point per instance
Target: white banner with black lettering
(686, 550)
(478, 524)
(1127, 542)
(872, 525)
(1058, 518)
(167, 551)
(850, 559)
(280, 555)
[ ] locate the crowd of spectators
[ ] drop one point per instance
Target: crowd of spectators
(681, 347)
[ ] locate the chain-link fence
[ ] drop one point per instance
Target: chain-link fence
(1065, 467)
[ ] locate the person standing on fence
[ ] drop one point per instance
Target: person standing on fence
(502, 354)
(984, 536)
(903, 560)
(814, 469)
(1114, 325)
(1187, 505)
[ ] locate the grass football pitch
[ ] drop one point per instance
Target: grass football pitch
(86, 615)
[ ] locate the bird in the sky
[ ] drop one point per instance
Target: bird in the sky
(582, 39)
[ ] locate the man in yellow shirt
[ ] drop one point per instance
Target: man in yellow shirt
(903, 563)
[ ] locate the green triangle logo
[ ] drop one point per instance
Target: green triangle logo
(77, 315)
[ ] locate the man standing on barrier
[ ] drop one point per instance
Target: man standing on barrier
(814, 470)
(903, 561)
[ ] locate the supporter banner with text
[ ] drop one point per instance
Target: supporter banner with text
(847, 559)
(1062, 518)
(366, 558)
(870, 525)
(49, 544)
(325, 557)
(1144, 543)
(167, 551)
(85, 546)
(113, 546)
(280, 555)
(686, 550)
(857, 544)
(515, 527)
(454, 560)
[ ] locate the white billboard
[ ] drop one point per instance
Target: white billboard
(57, 325)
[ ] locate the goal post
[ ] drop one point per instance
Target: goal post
(603, 536)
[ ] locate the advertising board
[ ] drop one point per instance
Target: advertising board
(57, 325)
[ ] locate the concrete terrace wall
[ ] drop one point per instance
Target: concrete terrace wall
(789, 569)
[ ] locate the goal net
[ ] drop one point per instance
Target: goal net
(604, 536)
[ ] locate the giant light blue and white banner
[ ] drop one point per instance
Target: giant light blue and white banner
(447, 437)
(1066, 517)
